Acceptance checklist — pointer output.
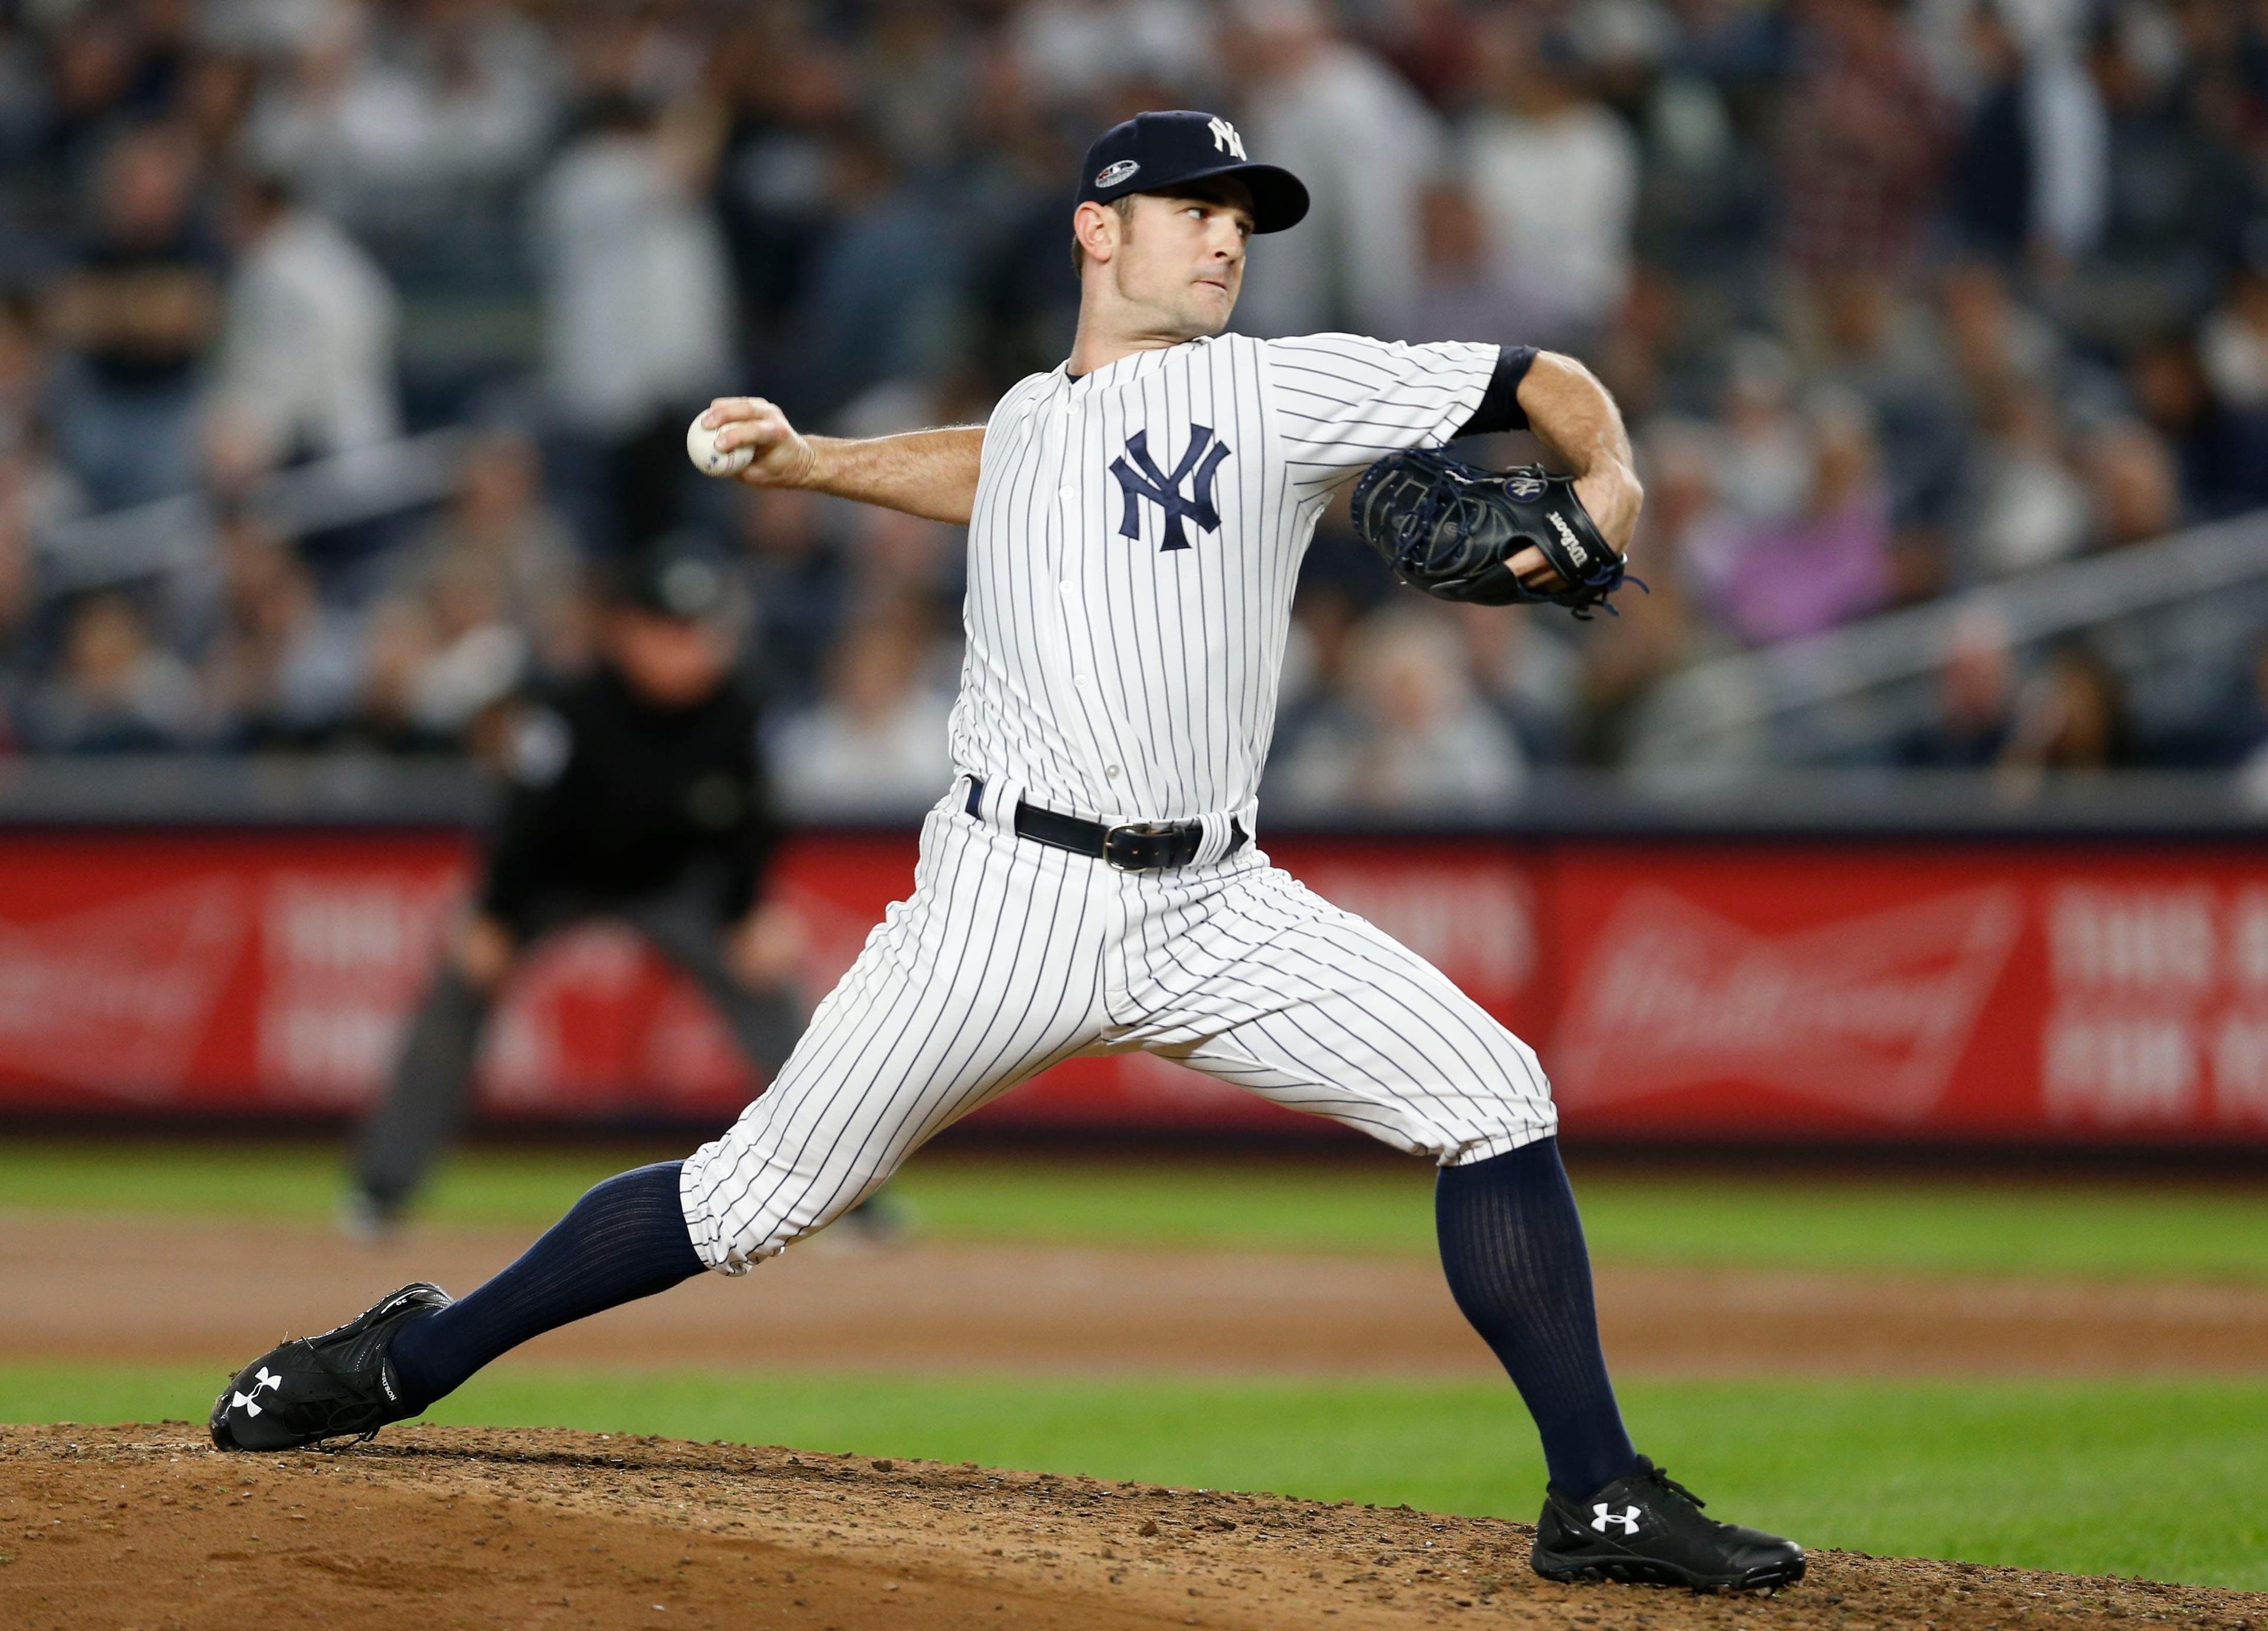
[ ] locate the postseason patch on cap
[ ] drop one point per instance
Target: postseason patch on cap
(1112, 174)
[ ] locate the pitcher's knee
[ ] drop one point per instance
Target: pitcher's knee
(1489, 1125)
(1465, 1150)
(742, 1205)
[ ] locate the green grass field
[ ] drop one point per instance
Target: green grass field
(2164, 1479)
(1894, 1224)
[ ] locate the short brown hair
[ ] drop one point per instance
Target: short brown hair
(1124, 205)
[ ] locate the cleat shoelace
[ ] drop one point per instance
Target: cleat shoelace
(1659, 1477)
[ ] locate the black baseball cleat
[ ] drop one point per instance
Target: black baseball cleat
(1648, 1528)
(336, 1385)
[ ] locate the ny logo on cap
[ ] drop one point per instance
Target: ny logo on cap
(1224, 138)
(1142, 479)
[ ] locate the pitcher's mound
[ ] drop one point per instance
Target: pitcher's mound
(431, 1527)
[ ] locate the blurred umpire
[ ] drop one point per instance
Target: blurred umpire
(637, 795)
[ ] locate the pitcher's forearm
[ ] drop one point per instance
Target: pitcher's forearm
(931, 474)
(1575, 416)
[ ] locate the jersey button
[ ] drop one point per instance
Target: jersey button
(1111, 770)
(1069, 492)
(1067, 587)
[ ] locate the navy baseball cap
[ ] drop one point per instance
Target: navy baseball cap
(1155, 153)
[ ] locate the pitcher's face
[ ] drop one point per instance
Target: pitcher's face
(1180, 259)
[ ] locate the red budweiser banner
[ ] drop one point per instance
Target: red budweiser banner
(1685, 989)
(1843, 991)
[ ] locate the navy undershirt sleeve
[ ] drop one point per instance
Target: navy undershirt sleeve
(1500, 409)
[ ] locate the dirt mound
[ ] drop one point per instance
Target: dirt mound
(439, 1526)
(930, 1306)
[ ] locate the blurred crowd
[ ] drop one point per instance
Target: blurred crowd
(1902, 298)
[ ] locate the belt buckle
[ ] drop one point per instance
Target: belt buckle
(1135, 855)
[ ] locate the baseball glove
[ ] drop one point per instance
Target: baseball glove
(1450, 529)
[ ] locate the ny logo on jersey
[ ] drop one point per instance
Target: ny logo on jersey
(1224, 138)
(1142, 479)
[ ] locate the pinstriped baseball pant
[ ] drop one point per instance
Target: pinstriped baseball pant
(1011, 956)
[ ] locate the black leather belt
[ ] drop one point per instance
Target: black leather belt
(1135, 846)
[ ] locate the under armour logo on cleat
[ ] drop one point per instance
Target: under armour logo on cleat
(1627, 1517)
(249, 1402)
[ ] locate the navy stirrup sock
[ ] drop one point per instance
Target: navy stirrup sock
(624, 1240)
(1512, 1248)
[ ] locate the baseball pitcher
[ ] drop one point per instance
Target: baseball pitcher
(1091, 881)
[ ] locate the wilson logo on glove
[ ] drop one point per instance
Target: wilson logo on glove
(1575, 549)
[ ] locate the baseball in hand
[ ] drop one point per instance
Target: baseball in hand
(708, 458)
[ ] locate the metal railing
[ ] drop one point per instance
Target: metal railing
(2185, 601)
(170, 535)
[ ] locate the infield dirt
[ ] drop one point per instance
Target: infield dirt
(431, 1527)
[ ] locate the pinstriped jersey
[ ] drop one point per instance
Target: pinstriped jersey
(1136, 536)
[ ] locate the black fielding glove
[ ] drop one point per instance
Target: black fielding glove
(1450, 529)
